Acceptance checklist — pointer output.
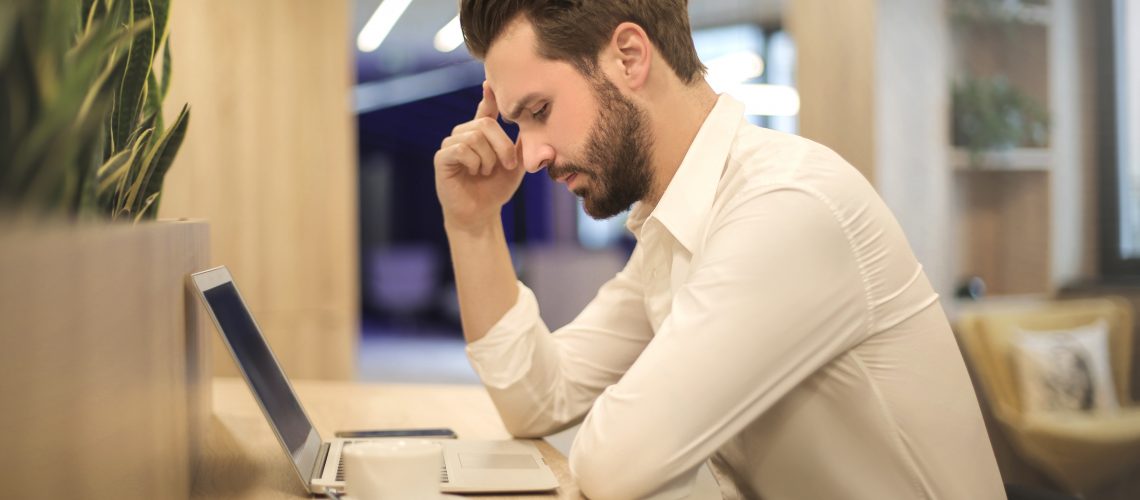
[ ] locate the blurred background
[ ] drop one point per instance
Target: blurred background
(1004, 135)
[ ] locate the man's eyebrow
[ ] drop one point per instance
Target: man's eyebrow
(514, 113)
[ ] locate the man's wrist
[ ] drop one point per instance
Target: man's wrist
(473, 229)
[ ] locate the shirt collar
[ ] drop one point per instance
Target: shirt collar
(689, 197)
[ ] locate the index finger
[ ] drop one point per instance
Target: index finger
(488, 107)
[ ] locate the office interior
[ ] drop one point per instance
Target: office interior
(1003, 134)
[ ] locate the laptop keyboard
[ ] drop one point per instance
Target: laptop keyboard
(340, 469)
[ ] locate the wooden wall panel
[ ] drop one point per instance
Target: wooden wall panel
(1006, 216)
(873, 83)
(835, 75)
(100, 361)
(270, 161)
(875, 78)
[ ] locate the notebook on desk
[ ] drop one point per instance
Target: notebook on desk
(469, 466)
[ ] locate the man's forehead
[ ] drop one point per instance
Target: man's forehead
(517, 83)
(515, 70)
(512, 62)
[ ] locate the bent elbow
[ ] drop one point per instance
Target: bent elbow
(627, 468)
(598, 479)
(532, 425)
(604, 476)
(523, 431)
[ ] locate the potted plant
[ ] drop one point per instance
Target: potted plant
(97, 322)
(991, 115)
(83, 135)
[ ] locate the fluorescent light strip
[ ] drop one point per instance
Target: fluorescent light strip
(380, 24)
(731, 69)
(450, 37)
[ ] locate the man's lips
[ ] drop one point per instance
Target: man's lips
(566, 179)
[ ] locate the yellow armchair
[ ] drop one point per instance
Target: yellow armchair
(1080, 451)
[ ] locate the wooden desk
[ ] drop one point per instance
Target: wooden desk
(243, 460)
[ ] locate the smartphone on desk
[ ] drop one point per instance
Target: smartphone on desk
(439, 433)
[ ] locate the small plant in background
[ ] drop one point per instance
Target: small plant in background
(992, 115)
(82, 134)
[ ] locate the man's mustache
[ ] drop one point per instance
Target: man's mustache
(559, 171)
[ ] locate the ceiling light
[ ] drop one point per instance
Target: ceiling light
(734, 68)
(380, 24)
(450, 37)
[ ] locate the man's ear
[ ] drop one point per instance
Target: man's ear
(633, 53)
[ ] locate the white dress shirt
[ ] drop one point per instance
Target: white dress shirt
(772, 321)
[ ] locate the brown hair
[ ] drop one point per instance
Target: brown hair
(576, 30)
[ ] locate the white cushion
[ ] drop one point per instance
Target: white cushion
(1065, 370)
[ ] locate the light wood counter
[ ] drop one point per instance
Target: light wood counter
(243, 460)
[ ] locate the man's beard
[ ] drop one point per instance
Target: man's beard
(618, 150)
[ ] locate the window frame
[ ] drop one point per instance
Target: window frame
(1114, 266)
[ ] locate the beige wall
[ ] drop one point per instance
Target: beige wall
(270, 162)
(912, 128)
(835, 75)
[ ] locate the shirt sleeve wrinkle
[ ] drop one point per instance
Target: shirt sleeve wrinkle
(776, 295)
(541, 382)
(502, 356)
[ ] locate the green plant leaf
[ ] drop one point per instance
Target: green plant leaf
(154, 103)
(81, 129)
(129, 185)
(65, 112)
(163, 156)
(991, 114)
(8, 13)
(167, 68)
(92, 155)
(147, 124)
(160, 12)
(90, 12)
(133, 85)
(108, 174)
(146, 211)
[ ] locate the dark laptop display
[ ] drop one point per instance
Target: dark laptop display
(265, 375)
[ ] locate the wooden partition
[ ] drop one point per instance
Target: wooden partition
(104, 368)
(876, 81)
(835, 75)
(269, 160)
(872, 76)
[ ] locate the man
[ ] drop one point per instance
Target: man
(772, 319)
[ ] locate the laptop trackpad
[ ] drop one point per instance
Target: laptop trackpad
(497, 461)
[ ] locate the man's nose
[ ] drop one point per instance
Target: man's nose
(535, 155)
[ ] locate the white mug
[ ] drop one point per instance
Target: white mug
(392, 469)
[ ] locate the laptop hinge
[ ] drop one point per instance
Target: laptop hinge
(319, 467)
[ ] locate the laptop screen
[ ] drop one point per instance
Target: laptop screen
(261, 370)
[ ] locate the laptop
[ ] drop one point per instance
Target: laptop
(468, 466)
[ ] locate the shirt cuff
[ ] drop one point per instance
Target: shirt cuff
(503, 356)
